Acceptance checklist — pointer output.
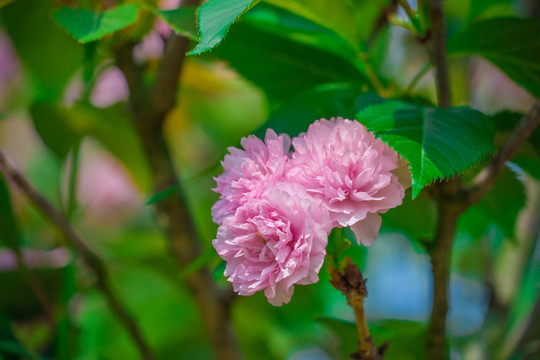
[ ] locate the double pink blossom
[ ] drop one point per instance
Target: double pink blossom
(273, 241)
(341, 163)
(277, 209)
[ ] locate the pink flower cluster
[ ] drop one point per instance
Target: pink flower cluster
(277, 207)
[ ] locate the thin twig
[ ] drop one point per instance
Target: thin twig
(91, 259)
(351, 284)
(487, 177)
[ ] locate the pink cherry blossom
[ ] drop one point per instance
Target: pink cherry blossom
(341, 163)
(274, 241)
(246, 171)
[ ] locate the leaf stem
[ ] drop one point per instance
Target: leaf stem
(72, 185)
(411, 14)
(425, 69)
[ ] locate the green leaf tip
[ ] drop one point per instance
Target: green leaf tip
(215, 18)
(87, 26)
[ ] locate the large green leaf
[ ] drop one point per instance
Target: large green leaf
(353, 21)
(284, 23)
(280, 65)
(215, 18)
(438, 143)
(182, 20)
(511, 44)
(9, 233)
(324, 101)
(88, 26)
(50, 56)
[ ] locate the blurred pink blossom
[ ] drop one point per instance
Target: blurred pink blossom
(111, 87)
(274, 241)
(247, 171)
(105, 188)
(341, 163)
(34, 259)
(9, 65)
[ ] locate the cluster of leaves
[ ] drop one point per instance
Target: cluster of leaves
(312, 59)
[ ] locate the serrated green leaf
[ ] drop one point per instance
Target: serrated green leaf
(438, 143)
(88, 26)
(9, 233)
(511, 44)
(215, 18)
(182, 20)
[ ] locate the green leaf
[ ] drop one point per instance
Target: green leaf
(511, 44)
(353, 21)
(182, 20)
(297, 66)
(278, 21)
(9, 233)
(162, 195)
(416, 218)
(501, 205)
(88, 26)
(61, 129)
(55, 128)
(215, 18)
(438, 143)
(34, 34)
(528, 155)
(324, 101)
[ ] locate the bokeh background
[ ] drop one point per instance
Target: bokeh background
(496, 265)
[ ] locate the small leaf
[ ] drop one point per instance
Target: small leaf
(9, 234)
(182, 20)
(162, 195)
(54, 127)
(215, 18)
(438, 143)
(511, 44)
(88, 26)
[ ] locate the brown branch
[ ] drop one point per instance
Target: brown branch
(149, 114)
(437, 50)
(351, 284)
(91, 259)
(445, 194)
(487, 177)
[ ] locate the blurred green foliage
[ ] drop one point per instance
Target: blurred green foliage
(268, 64)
